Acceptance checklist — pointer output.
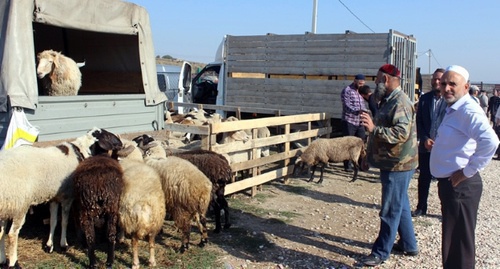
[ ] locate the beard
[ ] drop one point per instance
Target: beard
(380, 91)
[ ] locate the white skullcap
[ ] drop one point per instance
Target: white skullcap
(460, 70)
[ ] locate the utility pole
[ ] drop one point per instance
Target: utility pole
(430, 53)
(314, 16)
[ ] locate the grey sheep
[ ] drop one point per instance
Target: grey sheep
(324, 150)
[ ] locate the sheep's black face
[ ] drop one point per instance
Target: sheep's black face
(143, 140)
(106, 141)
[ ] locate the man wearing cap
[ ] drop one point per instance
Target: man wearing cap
(352, 105)
(464, 145)
(483, 100)
(392, 147)
(474, 91)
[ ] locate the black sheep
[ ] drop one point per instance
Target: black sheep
(98, 184)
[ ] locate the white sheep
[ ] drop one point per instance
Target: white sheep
(241, 137)
(213, 165)
(31, 176)
(187, 191)
(324, 150)
(142, 202)
(60, 75)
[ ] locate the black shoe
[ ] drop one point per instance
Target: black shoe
(372, 260)
(397, 248)
(418, 213)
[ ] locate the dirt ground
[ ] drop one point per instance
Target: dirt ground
(310, 225)
(307, 225)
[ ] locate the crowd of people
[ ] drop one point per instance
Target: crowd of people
(447, 136)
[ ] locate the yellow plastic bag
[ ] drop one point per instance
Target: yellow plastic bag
(20, 131)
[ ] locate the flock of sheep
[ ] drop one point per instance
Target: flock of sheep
(130, 186)
(127, 186)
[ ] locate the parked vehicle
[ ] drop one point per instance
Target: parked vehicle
(119, 89)
(301, 73)
(175, 82)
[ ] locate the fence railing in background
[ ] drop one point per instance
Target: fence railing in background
(286, 131)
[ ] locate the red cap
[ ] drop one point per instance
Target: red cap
(390, 70)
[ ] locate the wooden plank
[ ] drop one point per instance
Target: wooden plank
(264, 53)
(333, 57)
(265, 122)
(265, 66)
(257, 180)
(195, 129)
(346, 70)
(273, 140)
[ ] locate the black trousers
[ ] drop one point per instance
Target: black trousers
(352, 130)
(424, 180)
(459, 207)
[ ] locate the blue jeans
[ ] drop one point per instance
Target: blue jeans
(395, 214)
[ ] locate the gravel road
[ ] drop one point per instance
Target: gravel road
(428, 228)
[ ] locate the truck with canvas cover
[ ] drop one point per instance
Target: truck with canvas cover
(303, 73)
(119, 78)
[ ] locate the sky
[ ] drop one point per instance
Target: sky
(459, 32)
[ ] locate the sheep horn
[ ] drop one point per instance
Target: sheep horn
(125, 151)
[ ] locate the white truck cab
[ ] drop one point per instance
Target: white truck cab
(175, 82)
(208, 84)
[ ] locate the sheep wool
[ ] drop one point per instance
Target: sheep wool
(217, 169)
(98, 184)
(46, 178)
(187, 194)
(60, 75)
(142, 203)
(324, 150)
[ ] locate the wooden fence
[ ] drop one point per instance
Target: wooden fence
(284, 131)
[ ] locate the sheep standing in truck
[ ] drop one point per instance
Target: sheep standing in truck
(60, 75)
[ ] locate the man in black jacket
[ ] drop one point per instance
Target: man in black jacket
(430, 112)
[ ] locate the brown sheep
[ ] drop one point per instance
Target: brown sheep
(324, 150)
(98, 184)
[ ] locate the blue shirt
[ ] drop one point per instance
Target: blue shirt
(465, 140)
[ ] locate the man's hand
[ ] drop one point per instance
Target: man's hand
(366, 121)
(457, 178)
(428, 144)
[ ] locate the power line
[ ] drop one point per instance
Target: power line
(356, 17)
(434, 57)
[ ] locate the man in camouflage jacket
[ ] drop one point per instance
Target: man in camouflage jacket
(392, 147)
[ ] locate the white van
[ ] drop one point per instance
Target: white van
(175, 82)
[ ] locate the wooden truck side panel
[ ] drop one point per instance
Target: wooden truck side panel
(306, 73)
